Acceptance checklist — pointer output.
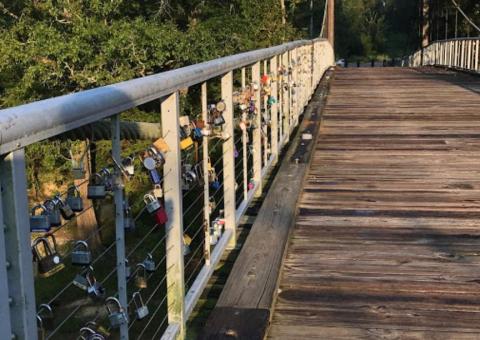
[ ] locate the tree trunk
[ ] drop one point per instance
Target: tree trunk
(87, 225)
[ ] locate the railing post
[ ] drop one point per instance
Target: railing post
(244, 146)
(274, 109)
(19, 291)
(265, 115)
(206, 184)
(170, 108)
(229, 160)
(286, 98)
(477, 58)
(257, 134)
(119, 223)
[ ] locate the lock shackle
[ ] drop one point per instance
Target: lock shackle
(40, 322)
(81, 244)
(138, 300)
(91, 279)
(105, 172)
(149, 256)
(96, 179)
(51, 204)
(58, 200)
(113, 301)
(141, 267)
(47, 307)
(128, 211)
(73, 191)
(38, 206)
(54, 242)
(148, 198)
(86, 329)
(157, 155)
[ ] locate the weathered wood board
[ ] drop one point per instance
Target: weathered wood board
(243, 309)
(387, 239)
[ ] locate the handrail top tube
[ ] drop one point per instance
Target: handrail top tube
(30, 123)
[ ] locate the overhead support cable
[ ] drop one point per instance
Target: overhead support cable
(465, 16)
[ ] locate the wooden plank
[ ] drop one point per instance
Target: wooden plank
(253, 281)
(386, 243)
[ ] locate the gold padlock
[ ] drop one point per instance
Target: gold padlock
(186, 143)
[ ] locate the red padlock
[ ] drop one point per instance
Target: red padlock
(161, 216)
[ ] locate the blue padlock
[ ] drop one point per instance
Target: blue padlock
(215, 184)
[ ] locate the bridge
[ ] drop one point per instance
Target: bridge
(346, 200)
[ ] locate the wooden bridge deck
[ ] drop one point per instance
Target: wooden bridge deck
(387, 240)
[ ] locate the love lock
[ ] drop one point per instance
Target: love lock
(157, 191)
(53, 212)
(128, 165)
(161, 216)
(81, 255)
(149, 263)
(116, 313)
(65, 209)
(45, 312)
(87, 333)
(157, 156)
(49, 262)
(81, 281)
(95, 290)
(96, 187)
(73, 199)
(141, 276)
(141, 310)
(99, 329)
(41, 332)
(39, 223)
(128, 270)
(78, 169)
(151, 203)
(107, 179)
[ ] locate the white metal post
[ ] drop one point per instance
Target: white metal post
(229, 159)
(274, 108)
(206, 184)
(170, 108)
(286, 98)
(265, 115)
(257, 137)
(244, 147)
(18, 253)
(119, 223)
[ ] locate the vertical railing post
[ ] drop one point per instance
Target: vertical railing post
(244, 145)
(477, 58)
(206, 184)
(170, 109)
(286, 98)
(229, 159)
(257, 134)
(119, 223)
(274, 109)
(265, 113)
(18, 254)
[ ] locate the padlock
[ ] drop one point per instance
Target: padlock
(251, 184)
(149, 263)
(141, 276)
(151, 165)
(215, 184)
(96, 187)
(128, 220)
(207, 131)
(197, 135)
(186, 143)
(80, 279)
(151, 203)
(107, 177)
(271, 100)
(116, 313)
(161, 216)
(53, 212)
(218, 120)
(73, 199)
(98, 329)
(157, 156)
(65, 210)
(187, 240)
(128, 165)
(81, 254)
(39, 223)
(161, 146)
(78, 169)
(45, 312)
(50, 261)
(88, 333)
(141, 310)
(95, 290)
(157, 191)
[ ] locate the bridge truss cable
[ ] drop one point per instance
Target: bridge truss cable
(470, 21)
(324, 19)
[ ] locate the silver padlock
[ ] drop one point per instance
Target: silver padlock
(39, 223)
(53, 211)
(96, 187)
(74, 200)
(78, 169)
(81, 281)
(65, 210)
(152, 203)
(81, 254)
(157, 156)
(88, 333)
(149, 263)
(95, 290)
(116, 313)
(141, 310)
(107, 179)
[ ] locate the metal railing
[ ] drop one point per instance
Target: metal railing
(279, 81)
(462, 54)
